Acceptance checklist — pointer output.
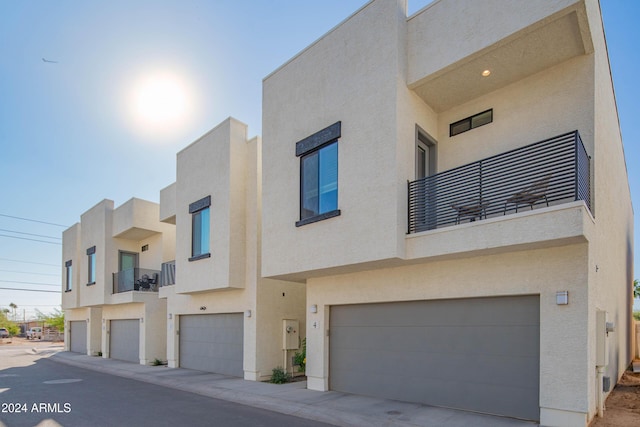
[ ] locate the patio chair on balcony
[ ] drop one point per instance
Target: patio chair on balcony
(536, 192)
(470, 210)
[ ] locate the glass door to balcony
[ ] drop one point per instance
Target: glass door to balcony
(127, 263)
(426, 167)
(425, 155)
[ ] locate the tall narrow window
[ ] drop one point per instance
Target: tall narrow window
(68, 277)
(91, 265)
(200, 228)
(319, 175)
(425, 154)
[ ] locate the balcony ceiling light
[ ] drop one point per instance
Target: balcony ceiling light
(486, 73)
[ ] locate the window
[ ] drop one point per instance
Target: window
(319, 175)
(200, 228)
(68, 276)
(91, 264)
(472, 122)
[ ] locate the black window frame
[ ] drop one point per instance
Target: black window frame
(68, 274)
(91, 268)
(195, 209)
(469, 121)
(309, 146)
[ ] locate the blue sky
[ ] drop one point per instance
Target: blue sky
(66, 130)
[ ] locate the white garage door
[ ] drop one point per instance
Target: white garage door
(480, 354)
(78, 336)
(124, 341)
(212, 343)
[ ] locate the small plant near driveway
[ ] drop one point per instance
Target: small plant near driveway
(300, 359)
(279, 376)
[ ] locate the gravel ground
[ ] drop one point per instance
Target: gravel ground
(622, 407)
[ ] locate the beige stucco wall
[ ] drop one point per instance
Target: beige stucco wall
(379, 112)
(611, 263)
(230, 280)
(137, 217)
(564, 367)
(168, 204)
(213, 166)
(71, 252)
(349, 75)
(96, 231)
(440, 35)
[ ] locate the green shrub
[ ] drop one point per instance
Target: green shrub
(279, 376)
(300, 359)
(636, 315)
(157, 362)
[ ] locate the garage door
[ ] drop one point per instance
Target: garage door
(78, 336)
(212, 343)
(124, 340)
(478, 354)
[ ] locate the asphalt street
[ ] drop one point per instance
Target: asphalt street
(35, 391)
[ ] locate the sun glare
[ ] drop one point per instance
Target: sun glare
(160, 102)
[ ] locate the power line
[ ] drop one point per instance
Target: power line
(33, 240)
(31, 290)
(29, 272)
(29, 283)
(34, 220)
(28, 262)
(31, 234)
(37, 305)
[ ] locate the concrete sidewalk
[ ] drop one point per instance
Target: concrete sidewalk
(331, 407)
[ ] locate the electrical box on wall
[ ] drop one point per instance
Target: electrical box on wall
(291, 334)
(602, 352)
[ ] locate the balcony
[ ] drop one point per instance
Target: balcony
(546, 173)
(136, 279)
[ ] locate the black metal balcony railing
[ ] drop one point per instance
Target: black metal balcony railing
(554, 170)
(168, 276)
(136, 279)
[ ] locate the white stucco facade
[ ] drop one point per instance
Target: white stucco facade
(388, 83)
(384, 75)
(224, 165)
(133, 229)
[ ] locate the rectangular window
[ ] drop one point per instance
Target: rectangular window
(200, 229)
(91, 264)
(68, 276)
(319, 175)
(472, 122)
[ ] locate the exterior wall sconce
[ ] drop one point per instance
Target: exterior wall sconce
(142, 320)
(562, 297)
(247, 313)
(314, 308)
(170, 316)
(203, 308)
(87, 320)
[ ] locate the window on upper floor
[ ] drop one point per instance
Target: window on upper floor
(471, 122)
(91, 265)
(68, 276)
(200, 228)
(319, 175)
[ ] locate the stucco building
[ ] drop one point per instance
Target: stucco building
(450, 187)
(439, 203)
(112, 269)
(223, 316)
